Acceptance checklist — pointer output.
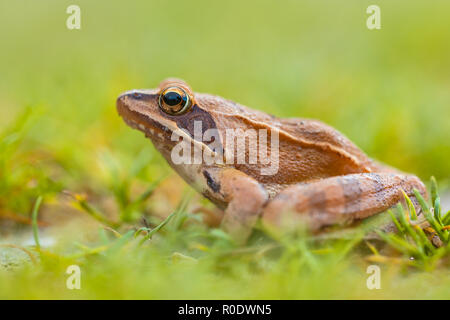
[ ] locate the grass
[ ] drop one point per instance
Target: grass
(181, 258)
(108, 196)
(35, 224)
(424, 244)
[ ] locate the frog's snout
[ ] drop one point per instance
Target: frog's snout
(121, 103)
(126, 99)
(137, 105)
(129, 95)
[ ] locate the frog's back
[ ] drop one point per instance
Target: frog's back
(308, 149)
(327, 138)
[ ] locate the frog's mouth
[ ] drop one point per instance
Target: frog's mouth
(136, 110)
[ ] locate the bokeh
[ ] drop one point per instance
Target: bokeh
(388, 90)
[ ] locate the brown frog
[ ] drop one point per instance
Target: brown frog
(321, 177)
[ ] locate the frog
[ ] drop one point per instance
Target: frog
(322, 179)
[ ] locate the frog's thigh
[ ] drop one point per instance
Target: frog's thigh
(245, 197)
(339, 199)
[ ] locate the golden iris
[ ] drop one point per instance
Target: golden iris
(174, 101)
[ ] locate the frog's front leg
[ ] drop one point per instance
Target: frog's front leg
(245, 198)
(340, 199)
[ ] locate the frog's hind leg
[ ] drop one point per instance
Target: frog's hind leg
(340, 199)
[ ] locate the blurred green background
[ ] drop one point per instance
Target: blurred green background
(388, 90)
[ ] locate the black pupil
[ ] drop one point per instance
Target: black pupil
(172, 98)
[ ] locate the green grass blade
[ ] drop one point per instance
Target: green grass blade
(443, 234)
(147, 193)
(421, 200)
(446, 219)
(437, 210)
(120, 242)
(181, 207)
(182, 216)
(397, 224)
(34, 217)
(412, 210)
(409, 229)
(140, 230)
(83, 204)
(426, 243)
(434, 190)
(309, 257)
(158, 227)
(400, 244)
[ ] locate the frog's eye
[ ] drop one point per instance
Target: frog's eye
(174, 101)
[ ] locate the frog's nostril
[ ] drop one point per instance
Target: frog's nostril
(136, 95)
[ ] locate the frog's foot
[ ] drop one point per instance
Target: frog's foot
(340, 199)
